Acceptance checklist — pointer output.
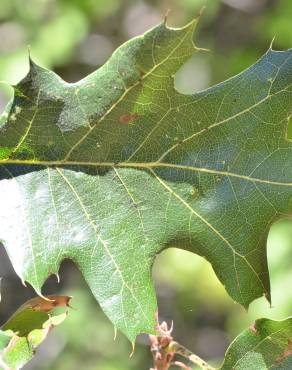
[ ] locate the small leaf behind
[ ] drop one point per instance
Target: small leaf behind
(265, 345)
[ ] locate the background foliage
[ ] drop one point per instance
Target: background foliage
(73, 37)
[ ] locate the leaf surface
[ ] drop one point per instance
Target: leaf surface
(111, 170)
(265, 345)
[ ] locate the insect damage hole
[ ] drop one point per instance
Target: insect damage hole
(193, 76)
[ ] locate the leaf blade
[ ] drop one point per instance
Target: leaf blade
(122, 166)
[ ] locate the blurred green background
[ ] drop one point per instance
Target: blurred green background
(74, 37)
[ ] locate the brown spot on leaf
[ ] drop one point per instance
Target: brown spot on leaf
(46, 305)
(126, 119)
(142, 73)
(287, 352)
(253, 328)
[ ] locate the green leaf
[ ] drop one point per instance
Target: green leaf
(27, 329)
(265, 345)
(113, 169)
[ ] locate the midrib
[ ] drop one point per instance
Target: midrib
(144, 166)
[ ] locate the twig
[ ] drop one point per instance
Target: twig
(164, 349)
(181, 350)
